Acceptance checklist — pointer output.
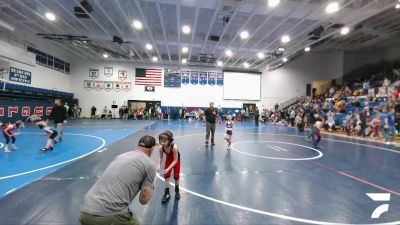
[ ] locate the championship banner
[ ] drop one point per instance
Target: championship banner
(126, 86)
(194, 77)
(98, 85)
(211, 78)
(117, 86)
(203, 78)
(93, 73)
(108, 71)
(220, 79)
(185, 77)
(108, 85)
(88, 84)
(122, 74)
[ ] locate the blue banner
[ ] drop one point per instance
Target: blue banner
(211, 78)
(203, 78)
(20, 76)
(185, 77)
(194, 77)
(172, 78)
(11, 111)
(220, 79)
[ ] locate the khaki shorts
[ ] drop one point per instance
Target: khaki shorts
(126, 218)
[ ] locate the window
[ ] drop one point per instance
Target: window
(30, 49)
(57, 64)
(43, 58)
(37, 58)
(62, 66)
(49, 61)
(67, 68)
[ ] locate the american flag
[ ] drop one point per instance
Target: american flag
(148, 77)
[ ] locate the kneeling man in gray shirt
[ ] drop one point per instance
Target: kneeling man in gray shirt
(107, 202)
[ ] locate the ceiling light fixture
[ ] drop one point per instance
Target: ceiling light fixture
(260, 55)
(332, 7)
(244, 35)
(229, 53)
(149, 47)
(307, 49)
(50, 16)
(185, 49)
(344, 30)
(273, 3)
(186, 29)
(246, 65)
(137, 25)
(184, 61)
(285, 59)
(285, 39)
(155, 59)
(219, 63)
(105, 55)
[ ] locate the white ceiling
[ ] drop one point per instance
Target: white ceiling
(163, 20)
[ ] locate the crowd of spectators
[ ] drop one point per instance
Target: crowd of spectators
(366, 108)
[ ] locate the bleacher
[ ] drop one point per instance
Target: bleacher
(13, 89)
(340, 117)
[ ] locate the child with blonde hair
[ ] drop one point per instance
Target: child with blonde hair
(51, 132)
(228, 130)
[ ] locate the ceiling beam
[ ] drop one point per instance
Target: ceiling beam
(319, 22)
(375, 26)
(249, 18)
(98, 25)
(63, 21)
(376, 22)
(381, 39)
(252, 34)
(178, 27)
(218, 5)
(68, 51)
(196, 17)
(287, 17)
(173, 43)
(133, 31)
(392, 19)
(118, 30)
(162, 22)
(147, 26)
(44, 19)
(221, 36)
(361, 16)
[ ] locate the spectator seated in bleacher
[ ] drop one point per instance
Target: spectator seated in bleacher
(329, 122)
(340, 106)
